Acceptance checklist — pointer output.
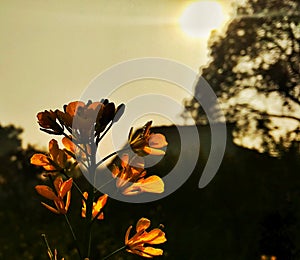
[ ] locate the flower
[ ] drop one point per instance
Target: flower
(130, 178)
(89, 117)
(97, 206)
(56, 160)
(136, 243)
(62, 189)
(47, 120)
(145, 143)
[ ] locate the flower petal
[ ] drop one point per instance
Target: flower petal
(153, 151)
(148, 252)
(57, 183)
(140, 253)
(68, 144)
(101, 216)
(61, 158)
(53, 149)
(152, 251)
(39, 159)
(68, 201)
(157, 141)
(50, 208)
(127, 235)
(142, 224)
(153, 184)
(155, 236)
(100, 203)
(46, 192)
(65, 187)
(72, 107)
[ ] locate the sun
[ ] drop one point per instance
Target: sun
(200, 18)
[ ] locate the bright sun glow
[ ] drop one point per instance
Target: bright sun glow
(200, 18)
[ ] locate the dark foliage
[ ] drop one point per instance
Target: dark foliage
(255, 72)
(250, 208)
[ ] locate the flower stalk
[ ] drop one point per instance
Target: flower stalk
(82, 127)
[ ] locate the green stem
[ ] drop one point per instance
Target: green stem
(104, 133)
(73, 235)
(80, 148)
(110, 155)
(89, 202)
(75, 185)
(48, 247)
(114, 252)
(103, 185)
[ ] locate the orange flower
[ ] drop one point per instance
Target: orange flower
(92, 116)
(136, 244)
(97, 206)
(56, 160)
(130, 178)
(62, 189)
(146, 143)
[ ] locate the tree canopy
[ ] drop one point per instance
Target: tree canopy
(255, 72)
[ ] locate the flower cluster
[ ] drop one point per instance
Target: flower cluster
(82, 121)
(62, 188)
(136, 244)
(145, 143)
(82, 127)
(131, 177)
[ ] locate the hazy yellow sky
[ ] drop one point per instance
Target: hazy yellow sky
(51, 50)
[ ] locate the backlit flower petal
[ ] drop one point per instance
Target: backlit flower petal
(97, 206)
(68, 201)
(39, 159)
(65, 187)
(136, 244)
(157, 141)
(50, 208)
(46, 192)
(61, 158)
(57, 183)
(68, 144)
(127, 235)
(148, 252)
(138, 252)
(100, 203)
(153, 151)
(53, 149)
(153, 184)
(142, 224)
(155, 236)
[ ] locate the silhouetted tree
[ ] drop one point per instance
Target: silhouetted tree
(255, 72)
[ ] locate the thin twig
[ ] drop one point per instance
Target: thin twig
(73, 235)
(114, 252)
(48, 247)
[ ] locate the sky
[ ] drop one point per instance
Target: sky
(51, 50)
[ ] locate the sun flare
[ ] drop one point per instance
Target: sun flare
(200, 18)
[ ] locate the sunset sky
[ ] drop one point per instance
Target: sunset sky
(51, 50)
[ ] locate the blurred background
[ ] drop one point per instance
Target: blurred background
(250, 57)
